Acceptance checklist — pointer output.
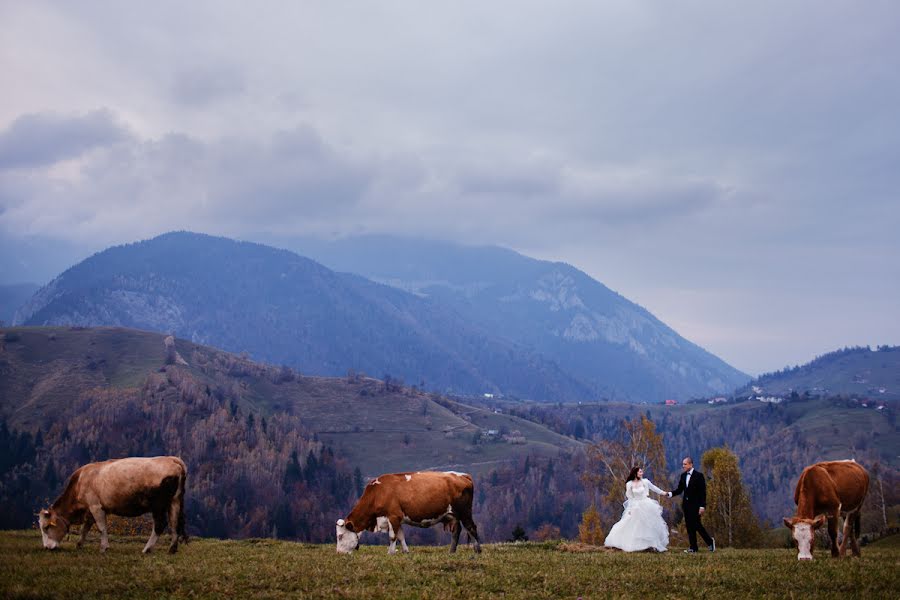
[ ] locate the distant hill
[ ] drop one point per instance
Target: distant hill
(616, 347)
(858, 372)
(13, 296)
(267, 449)
(286, 309)
(375, 425)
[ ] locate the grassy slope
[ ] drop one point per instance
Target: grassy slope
(47, 368)
(265, 568)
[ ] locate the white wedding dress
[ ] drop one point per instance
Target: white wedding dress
(641, 526)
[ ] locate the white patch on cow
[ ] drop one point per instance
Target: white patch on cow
(408, 477)
(457, 473)
(449, 510)
(803, 534)
(151, 542)
(383, 525)
(376, 482)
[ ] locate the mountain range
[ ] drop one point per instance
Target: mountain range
(454, 319)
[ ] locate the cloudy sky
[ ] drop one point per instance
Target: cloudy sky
(734, 170)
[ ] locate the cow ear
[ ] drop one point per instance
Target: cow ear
(818, 521)
(788, 523)
(340, 522)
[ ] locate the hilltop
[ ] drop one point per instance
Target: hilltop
(858, 372)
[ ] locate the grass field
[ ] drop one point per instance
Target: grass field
(274, 569)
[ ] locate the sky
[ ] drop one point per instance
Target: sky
(732, 168)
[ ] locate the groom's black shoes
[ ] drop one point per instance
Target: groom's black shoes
(712, 547)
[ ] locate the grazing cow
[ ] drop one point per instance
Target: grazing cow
(127, 487)
(827, 490)
(420, 499)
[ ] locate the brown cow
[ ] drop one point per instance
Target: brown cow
(827, 490)
(127, 487)
(420, 499)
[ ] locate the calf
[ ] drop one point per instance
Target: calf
(421, 499)
(127, 487)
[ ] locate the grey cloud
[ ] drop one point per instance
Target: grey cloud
(142, 187)
(201, 86)
(46, 138)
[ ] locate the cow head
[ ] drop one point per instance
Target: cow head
(804, 532)
(347, 537)
(53, 528)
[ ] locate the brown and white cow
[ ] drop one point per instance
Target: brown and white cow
(127, 487)
(420, 499)
(827, 490)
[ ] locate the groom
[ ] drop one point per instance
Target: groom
(693, 486)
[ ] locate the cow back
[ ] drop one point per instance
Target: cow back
(416, 495)
(130, 486)
(826, 485)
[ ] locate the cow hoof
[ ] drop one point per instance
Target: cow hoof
(173, 549)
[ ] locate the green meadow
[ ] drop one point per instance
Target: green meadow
(208, 568)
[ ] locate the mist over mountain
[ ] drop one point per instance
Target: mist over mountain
(12, 296)
(615, 346)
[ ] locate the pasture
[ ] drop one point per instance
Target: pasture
(276, 569)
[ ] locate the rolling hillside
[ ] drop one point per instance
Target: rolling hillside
(282, 445)
(377, 427)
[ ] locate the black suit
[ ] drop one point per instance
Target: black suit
(694, 498)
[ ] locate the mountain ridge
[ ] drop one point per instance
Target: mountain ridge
(537, 330)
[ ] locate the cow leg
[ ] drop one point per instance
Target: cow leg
(394, 525)
(854, 532)
(469, 524)
(455, 530)
(174, 517)
(832, 533)
(100, 518)
(159, 527)
(847, 532)
(402, 539)
(88, 523)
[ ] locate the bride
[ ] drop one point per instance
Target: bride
(641, 526)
